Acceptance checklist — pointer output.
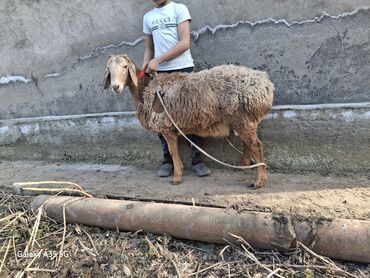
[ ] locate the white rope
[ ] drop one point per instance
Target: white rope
(232, 145)
(197, 147)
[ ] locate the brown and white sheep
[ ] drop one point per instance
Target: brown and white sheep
(212, 102)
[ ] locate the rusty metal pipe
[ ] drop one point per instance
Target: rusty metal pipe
(340, 238)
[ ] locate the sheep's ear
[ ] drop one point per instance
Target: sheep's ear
(132, 72)
(131, 69)
(106, 82)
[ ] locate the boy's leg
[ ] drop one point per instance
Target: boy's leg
(166, 168)
(197, 164)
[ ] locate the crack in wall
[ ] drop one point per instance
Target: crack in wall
(195, 35)
(316, 19)
(7, 79)
(52, 75)
(213, 30)
(102, 49)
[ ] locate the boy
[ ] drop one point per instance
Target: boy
(167, 29)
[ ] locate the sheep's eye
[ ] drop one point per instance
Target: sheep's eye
(125, 66)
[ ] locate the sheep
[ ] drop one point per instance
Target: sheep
(209, 103)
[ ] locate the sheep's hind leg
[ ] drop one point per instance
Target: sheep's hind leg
(254, 147)
(177, 162)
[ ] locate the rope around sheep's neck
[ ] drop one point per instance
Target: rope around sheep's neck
(192, 143)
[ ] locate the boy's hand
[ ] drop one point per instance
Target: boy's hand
(153, 65)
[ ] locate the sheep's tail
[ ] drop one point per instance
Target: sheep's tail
(266, 107)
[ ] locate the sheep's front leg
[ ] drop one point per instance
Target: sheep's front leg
(177, 162)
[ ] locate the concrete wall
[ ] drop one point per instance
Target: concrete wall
(53, 57)
(322, 138)
(315, 51)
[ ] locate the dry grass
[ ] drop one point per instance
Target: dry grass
(33, 244)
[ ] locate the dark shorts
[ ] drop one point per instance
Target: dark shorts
(191, 69)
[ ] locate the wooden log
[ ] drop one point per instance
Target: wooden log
(339, 238)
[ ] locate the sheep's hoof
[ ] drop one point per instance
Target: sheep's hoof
(176, 182)
(258, 184)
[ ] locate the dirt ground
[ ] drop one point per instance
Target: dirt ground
(95, 252)
(308, 195)
(33, 245)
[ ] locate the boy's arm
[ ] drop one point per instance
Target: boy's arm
(149, 50)
(183, 30)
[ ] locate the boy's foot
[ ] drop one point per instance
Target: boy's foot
(201, 170)
(165, 170)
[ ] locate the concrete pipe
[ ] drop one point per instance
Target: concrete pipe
(340, 238)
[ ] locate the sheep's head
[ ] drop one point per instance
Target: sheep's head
(121, 71)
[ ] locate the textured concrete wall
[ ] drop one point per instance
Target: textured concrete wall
(53, 57)
(53, 53)
(324, 139)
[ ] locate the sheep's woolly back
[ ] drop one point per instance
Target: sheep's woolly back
(209, 100)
